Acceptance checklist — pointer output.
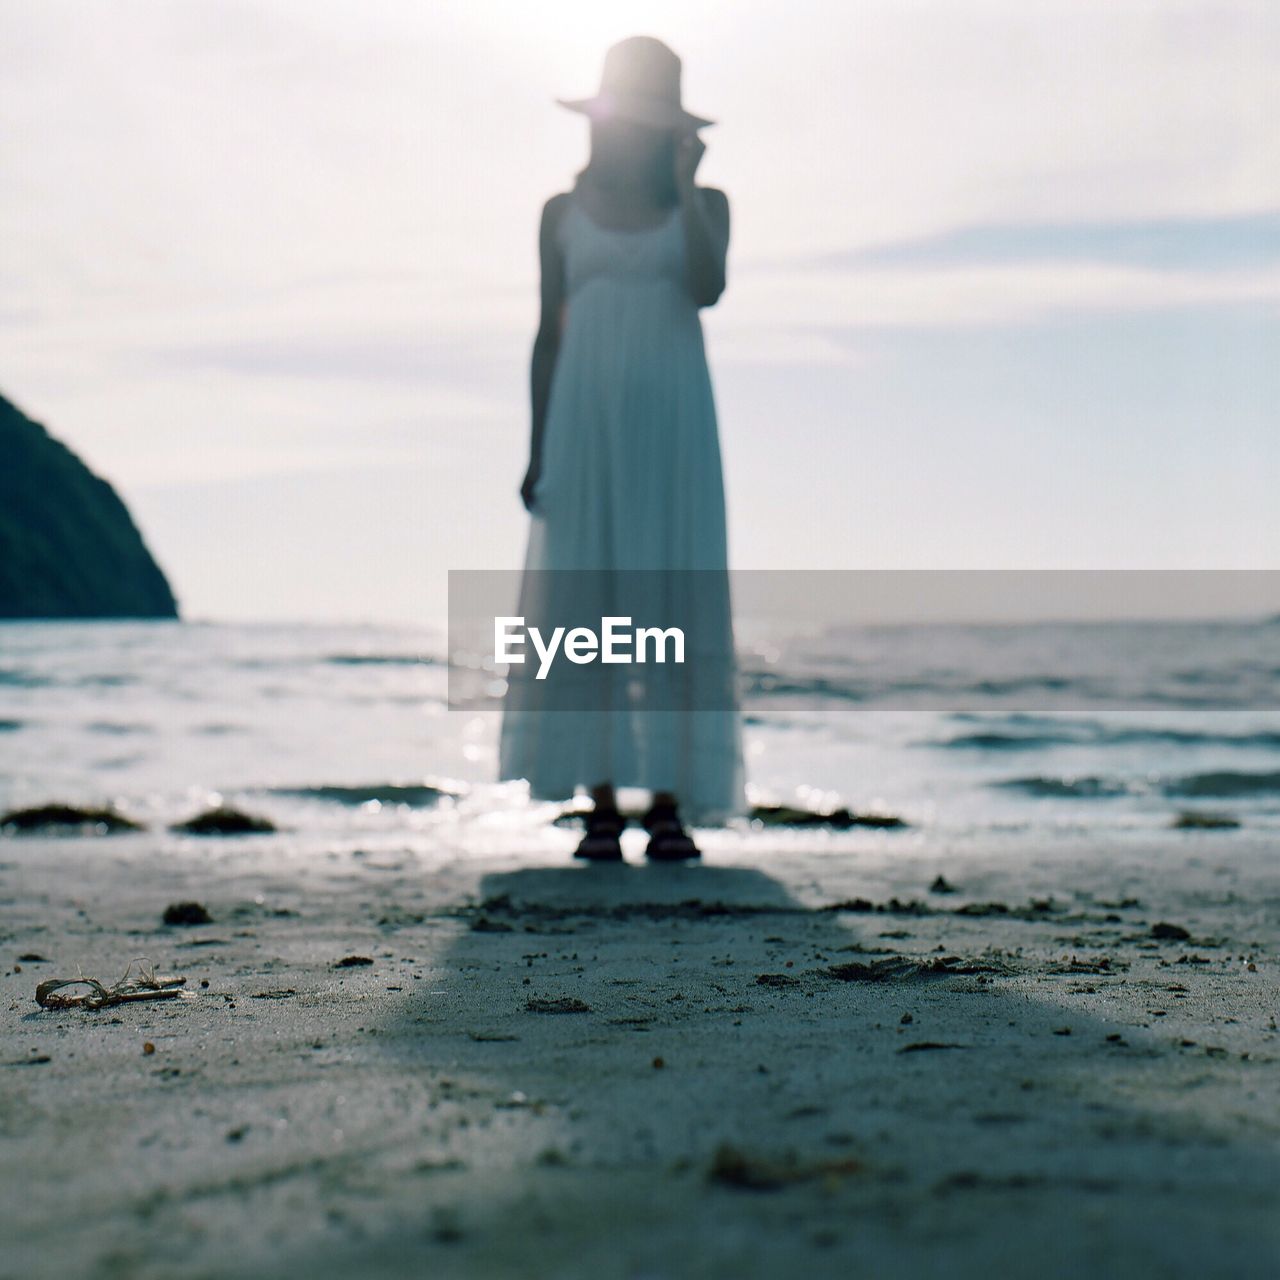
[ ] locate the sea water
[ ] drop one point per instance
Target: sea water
(966, 733)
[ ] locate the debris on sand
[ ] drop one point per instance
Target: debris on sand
(483, 924)
(51, 819)
(894, 907)
(177, 913)
(353, 962)
(731, 1167)
(1086, 964)
(560, 1004)
(903, 969)
(777, 980)
(781, 815)
(146, 986)
(224, 821)
(1167, 932)
(1037, 909)
(922, 1046)
(398, 918)
(1191, 820)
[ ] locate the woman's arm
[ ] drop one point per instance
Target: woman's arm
(704, 212)
(546, 346)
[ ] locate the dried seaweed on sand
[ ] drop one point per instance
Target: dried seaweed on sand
(146, 986)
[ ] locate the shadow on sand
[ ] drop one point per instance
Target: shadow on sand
(657, 1071)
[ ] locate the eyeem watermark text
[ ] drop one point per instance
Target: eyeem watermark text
(615, 642)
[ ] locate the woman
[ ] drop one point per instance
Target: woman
(624, 470)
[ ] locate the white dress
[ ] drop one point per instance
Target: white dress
(631, 480)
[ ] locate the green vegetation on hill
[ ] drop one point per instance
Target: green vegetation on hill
(68, 548)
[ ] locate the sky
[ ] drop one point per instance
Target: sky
(1004, 281)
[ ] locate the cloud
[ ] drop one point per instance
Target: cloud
(1231, 243)
(988, 276)
(389, 358)
(981, 296)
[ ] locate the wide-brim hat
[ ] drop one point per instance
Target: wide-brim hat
(640, 82)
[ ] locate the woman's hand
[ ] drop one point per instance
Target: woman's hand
(529, 484)
(689, 152)
(705, 215)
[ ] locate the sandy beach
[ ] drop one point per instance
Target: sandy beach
(807, 1063)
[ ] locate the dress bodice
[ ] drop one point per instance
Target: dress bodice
(593, 252)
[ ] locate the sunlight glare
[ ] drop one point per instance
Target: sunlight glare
(569, 37)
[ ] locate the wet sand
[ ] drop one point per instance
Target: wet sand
(798, 1063)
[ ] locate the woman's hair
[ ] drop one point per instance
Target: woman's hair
(633, 151)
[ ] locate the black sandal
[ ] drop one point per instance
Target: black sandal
(668, 840)
(601, 842)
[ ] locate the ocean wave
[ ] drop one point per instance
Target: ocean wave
(381, 660)
(18, 678)
(1225, 782)
(1227, 690)
(766, 684)
(1218, 784)
(1092, 735)
(993, 741)
(118, 727)
(1087, 788)
(417, 796)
